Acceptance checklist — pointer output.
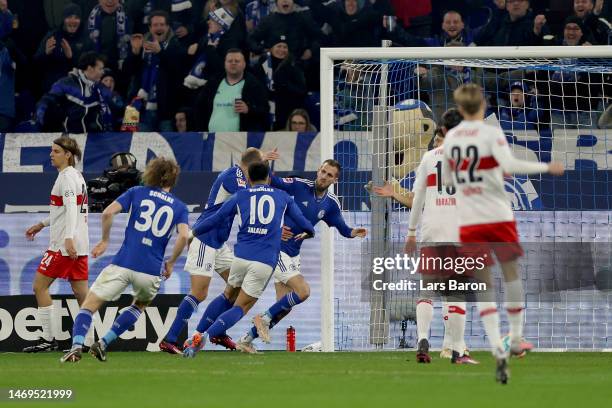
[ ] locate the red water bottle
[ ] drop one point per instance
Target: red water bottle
(291, 338)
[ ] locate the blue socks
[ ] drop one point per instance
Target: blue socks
(188, 305)
(225, 321)
(82, 321)
(218, 305)
(123, 322)
(283, 305)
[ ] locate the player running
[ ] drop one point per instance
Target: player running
(476, 156)
(434, 204)
(316, 203)
(154, 214)
(209, 252)
(260, 210)
(66, 257)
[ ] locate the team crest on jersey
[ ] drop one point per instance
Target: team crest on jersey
(522, 193)
(321, 214)
(208, 266)
(241, 182)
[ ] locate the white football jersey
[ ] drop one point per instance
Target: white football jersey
(434, 202)
(476, 156)
(68, 212)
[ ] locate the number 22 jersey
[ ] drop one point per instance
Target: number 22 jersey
(154, 215)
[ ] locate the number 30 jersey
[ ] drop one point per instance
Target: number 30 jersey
(476, 156)
(154, 216)
(434, 202)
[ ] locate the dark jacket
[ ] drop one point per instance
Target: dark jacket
(74, 105)
(7, 83)
(172, 70)
(363, 29)
(254, 94)
(289, 87)
(57, 65)
(405, 39)
(596, 28)
(300, 30)
(501, 31)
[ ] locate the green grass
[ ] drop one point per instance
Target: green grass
(279, 379)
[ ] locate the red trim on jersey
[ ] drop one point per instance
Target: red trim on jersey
(514, 310)
(432, 180)
(456, 309)
(56, 265)
(452, 164)
(488, 311)
(424, 301)
(485, 163)
(58, 201)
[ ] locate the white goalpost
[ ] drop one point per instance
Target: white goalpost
(379, 108)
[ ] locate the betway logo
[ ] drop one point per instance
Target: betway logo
(26, 325)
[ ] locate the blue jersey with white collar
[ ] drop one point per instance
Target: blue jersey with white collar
(326, 208)
(154, 215)
(260, 210)
(228, 182)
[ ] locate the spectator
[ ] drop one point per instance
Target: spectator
(237, 30)
(212, 48)
(156, 65)
(234, 102)
(256, 10)
(574, 33)
(61, 48)
(6, 20)
(54, 12)
(7, 88)
(453, 30)
(299, 121)
(115, 101)
(286, 83)
(415, 15)
(512, 24)
(109, 29)
(179, 11)
(301, 31)
(522, 112)
(594, 26)
(353, 24)
(183, 120)
(76, 103)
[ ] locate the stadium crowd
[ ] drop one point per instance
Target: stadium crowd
(246, 65)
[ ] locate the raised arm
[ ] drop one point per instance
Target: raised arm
(227, 210)
(294, 212)
(510, 164)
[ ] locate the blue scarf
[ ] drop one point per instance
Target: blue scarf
(94, 27)
(463, 77)
(150, 72)
(268, 69)
(256, 10)
(196, 79)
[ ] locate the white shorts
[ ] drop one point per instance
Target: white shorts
(113, 280)
(202, 259)
(287, 268)
(251, 276)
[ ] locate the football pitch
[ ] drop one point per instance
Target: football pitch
(280, 379)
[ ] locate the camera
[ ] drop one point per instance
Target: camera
(118, 178)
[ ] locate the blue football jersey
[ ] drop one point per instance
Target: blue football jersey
(326, 208)
(228, 182)
(154, 215)
(260, 211)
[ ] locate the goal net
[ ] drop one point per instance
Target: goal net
(380, 109)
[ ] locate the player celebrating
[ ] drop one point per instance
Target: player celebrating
(66, 257)
(316, 203)
(436, 205)
(154, 214)
(209, 252)
(261, 210)
(476, 156)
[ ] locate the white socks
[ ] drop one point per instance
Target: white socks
(45, 317)
(514, 297)
(490, 321)
(424, 314)
(447, 342)
(456, 326)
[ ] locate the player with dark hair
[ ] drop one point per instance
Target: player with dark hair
(261, 210)
(209, 253)
(66, 257)
(316, 203)
(154, 214)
